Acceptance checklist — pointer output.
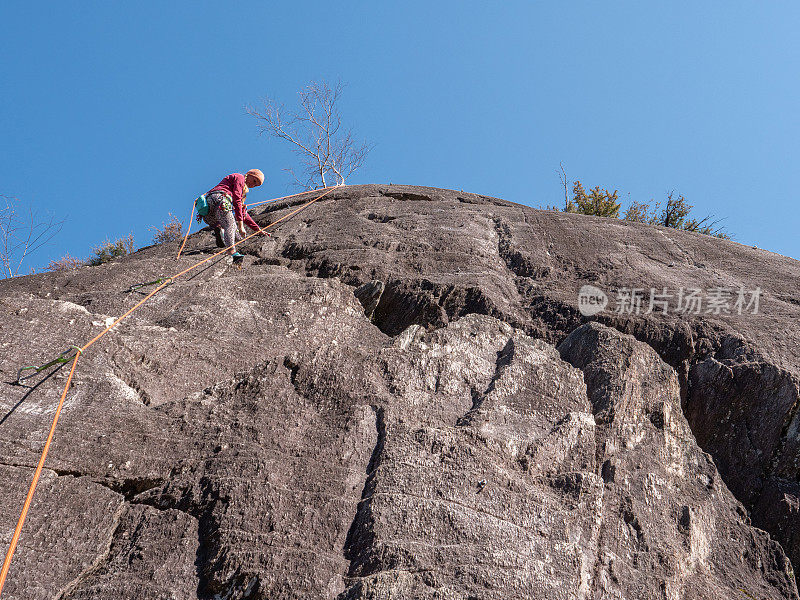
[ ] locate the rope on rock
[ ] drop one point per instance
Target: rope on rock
(188, 229)
(39, 466)
(330, 187)
(79, 353)
(246, 207)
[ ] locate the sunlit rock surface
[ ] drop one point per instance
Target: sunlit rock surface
(399, 398)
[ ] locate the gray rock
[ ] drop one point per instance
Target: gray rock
(369, 295)
(375, 407)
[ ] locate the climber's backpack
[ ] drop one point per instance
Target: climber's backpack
(201, 205)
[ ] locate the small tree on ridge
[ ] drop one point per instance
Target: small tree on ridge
(600, 203)
(328, 153)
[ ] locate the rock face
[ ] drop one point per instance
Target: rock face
(399, 398)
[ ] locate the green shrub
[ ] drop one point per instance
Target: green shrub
(108, 250)
(600, 203)
(642, 212)
(675, 214)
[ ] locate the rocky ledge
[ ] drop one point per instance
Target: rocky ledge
(398, 397)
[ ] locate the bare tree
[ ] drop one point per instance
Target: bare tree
(22, 232)
(568, 205)
(328, 153)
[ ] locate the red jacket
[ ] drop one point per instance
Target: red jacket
(234, 186)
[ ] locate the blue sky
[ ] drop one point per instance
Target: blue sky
(115, 114)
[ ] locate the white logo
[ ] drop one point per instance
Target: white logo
(591, 300)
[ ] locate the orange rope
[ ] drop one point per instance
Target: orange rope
(188, 229)
(32, 489)
(289, 196)
(246, 206)
(29, 497)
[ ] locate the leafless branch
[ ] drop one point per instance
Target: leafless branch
(326, 151)
(22, 232)
(563, 177)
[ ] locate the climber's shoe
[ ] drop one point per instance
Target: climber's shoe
(218, 237)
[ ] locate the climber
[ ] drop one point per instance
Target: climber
(227, 215)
